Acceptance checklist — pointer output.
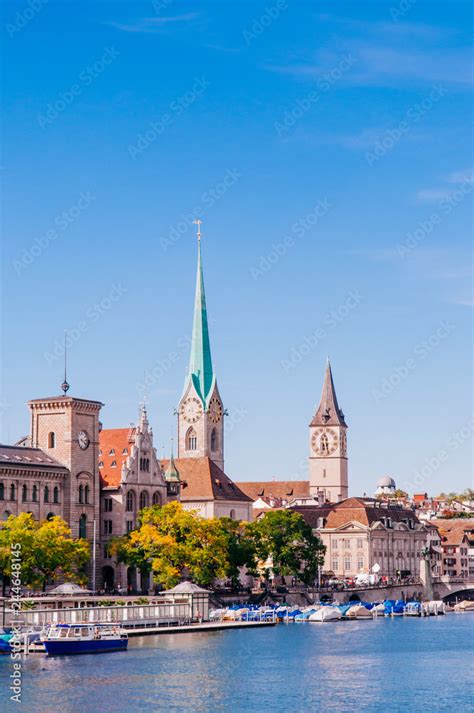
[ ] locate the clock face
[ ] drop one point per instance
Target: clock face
(191, 410)
(83, 440)
(215, 410)
(324, 441)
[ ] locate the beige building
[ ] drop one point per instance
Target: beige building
(457, 542)
(359, 533)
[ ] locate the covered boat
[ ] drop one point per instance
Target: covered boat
(326, 614)
(413, 609)
(61, 639)
(466, 605)
(358, 612)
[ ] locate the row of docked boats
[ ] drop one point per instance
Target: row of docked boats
(322, 612)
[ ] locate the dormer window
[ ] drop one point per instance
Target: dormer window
(101, 464)
(112, 452)
(113, 464)
(125, 452)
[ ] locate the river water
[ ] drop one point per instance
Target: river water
(400, 664)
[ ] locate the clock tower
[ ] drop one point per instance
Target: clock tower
(200, 410)
(328, 447)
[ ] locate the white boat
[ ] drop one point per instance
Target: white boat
(358, 612)
(326, 614)
(466, 605)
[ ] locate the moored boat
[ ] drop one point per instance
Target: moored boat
(65, 639)
(328, 613)
(358, 612)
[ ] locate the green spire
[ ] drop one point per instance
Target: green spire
(200, 362)
(171, 472)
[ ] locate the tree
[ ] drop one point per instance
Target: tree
(46, 549)
(170, 539)
(288, 540)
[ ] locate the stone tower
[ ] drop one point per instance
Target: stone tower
(67, 428)
(328, 446)
(200, 410)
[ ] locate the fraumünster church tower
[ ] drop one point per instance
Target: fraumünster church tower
(200, 410)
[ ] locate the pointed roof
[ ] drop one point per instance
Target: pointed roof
(200, 362)
(171, 472)
(328, 412)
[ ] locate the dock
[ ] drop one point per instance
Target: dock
(192, 628)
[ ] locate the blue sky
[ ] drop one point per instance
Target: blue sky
(326, 147)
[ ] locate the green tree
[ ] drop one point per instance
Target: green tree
(288, 540)
(170, 539)
(47, 549)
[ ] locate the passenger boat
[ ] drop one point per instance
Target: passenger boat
(5, 638)
(60, 639)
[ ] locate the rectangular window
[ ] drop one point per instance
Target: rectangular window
(335, 544)
(360, 565)
(108, 505)
(347, 564)
(346, 543)
(129, 525)
(107, 554)
(360, 543)
(107, 527)
(335, 565)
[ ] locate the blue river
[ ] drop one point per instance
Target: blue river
(398, 664)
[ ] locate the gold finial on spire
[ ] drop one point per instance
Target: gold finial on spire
(198, 222)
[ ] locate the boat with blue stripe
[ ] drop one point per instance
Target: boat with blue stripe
(68, 639)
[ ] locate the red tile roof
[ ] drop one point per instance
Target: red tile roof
(360, 510)
(116, 440)
(204, 480)
(284, 489)
(453, 531)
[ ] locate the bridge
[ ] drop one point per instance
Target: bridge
(444, 588)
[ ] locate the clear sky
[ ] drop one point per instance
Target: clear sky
(326, 147)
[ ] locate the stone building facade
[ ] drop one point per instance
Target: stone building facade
(359, 533)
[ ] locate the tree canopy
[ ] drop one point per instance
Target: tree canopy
(284, 538)
(46, 549)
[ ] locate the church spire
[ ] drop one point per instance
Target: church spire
(328, 412)
(200, 362)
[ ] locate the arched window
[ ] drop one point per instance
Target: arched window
(46, 494)
(50, 516)
(2, 491)
(86, 494)
(12, 492)
(51, 440)
(81, 493)
(324, 444)
(156, 498)
(232, 515)
(34, 494)
(143, 500)
(6, 514)
(191, 440)
(24, 494)
(56, 494)
(130, 507)
(214, 440)
(83, 526)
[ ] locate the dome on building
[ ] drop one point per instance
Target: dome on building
(386, 482)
